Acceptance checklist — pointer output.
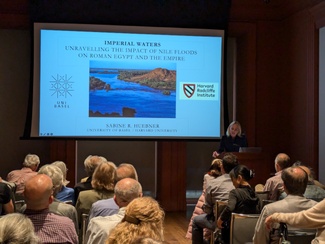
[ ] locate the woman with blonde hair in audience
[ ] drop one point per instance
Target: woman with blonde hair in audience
(214, 171)
(16, 228)
(103, 187)
(143, 217)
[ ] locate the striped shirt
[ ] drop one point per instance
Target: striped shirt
(52, 228)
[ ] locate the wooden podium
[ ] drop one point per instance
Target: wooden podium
(261, 163)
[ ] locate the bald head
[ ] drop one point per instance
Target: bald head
(126, 190)
(38, 192)
(307, 170)
(295, 180)
(282, 161)
(125, 170)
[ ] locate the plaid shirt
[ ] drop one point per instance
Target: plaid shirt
(52, 228)
(19, 177)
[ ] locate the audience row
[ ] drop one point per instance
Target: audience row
(108, 206)
(292, 189)
(110, 197)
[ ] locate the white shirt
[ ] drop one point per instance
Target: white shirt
(100, 227)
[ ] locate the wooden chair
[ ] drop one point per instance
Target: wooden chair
(242, 228)
(219, 206)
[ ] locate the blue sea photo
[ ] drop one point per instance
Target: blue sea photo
(129, 92)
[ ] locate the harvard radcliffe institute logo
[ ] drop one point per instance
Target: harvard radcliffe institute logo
(189, 90)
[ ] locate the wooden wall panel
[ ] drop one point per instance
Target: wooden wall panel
(171, 175)
(65, 150)
(245, 34)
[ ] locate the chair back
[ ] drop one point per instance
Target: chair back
(266, 202)
(262, 195)
(301, 236)
(84, 227)
(293, 235)
(242, 228)
(18, 205)
(218, 207)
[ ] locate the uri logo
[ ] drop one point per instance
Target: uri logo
(61, 86)
(189, 90)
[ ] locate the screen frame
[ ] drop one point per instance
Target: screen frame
(119, 29)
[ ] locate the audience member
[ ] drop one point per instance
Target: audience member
(312, 173)
(275, 184)
(103, 188)
(91, 162)
(125, 170)
(242, 199)
(216, 189)
(49, 227)
(16, 228)
(6, 204)
(232, 141)
(143, 217)
(107, 207)
(100, 227)
(313, 191)
(313, 218)
(20, 176)
(214, 171)
(295, 182)
(58, 207)
(66, 194)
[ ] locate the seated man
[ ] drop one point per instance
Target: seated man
(295, 182)
(216, 189)
(58, 207)
(312, 191)
(275, 184)
(108, 206)
(99, 227)
(20, 176)
(49, 227)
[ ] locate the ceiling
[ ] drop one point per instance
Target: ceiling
(15, 13)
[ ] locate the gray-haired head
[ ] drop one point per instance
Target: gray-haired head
(126, 190)
(17, 228)
(31, 161)
(64, 170)
(55, 174)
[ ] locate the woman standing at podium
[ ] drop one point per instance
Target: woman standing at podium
(232, 141)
